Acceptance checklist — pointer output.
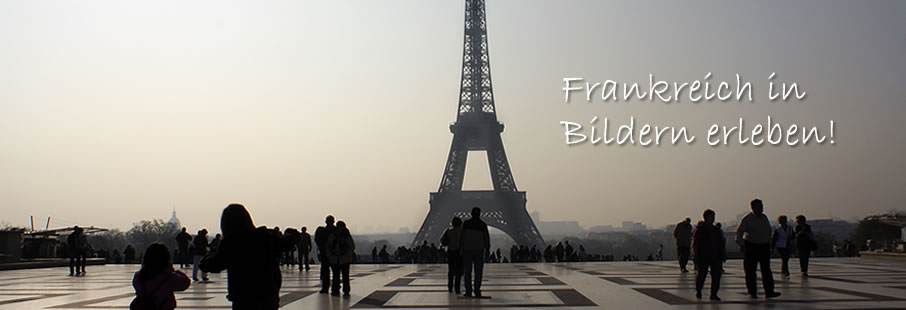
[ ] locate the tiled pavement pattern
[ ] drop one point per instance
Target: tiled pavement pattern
(844, 283)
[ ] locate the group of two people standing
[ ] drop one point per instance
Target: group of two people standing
(468, 243)
(336, 251)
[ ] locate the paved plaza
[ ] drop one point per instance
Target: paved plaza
(835, 283)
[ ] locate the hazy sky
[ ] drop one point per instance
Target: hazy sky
(113, 112)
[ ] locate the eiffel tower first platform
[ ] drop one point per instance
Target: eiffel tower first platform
(477, 129)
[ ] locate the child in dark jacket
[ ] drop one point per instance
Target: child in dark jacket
(155, 283)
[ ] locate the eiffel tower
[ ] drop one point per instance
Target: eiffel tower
(477, 129)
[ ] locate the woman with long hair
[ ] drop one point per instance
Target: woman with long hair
(156, 281)
(250, 257)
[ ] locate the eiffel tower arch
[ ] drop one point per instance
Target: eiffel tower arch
(477, 129)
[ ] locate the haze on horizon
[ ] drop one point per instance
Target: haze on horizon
(114, 112)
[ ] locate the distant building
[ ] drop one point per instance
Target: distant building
(602, 229)
(557, 228)
(633, 226)
(174, 220)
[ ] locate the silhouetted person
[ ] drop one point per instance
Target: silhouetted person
(476, 243)
(558, 251)
(754, 237)
(383, 255)
(78, 248)
(156, 281)
(450, 239)
(182, 240)
(216, 242)
(710, 252)
(290, 255)
(682, 233)
(321, 236)
(129, 253)
(199, 250)
(805, 243)
(782, 240)
(304, 248)
(117, 258)
(340, 253)
(249, 256)
(568, 249)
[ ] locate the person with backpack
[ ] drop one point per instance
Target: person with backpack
(156, 281)
(321, 236)
(805, 243)
(340, 253)
(450, 239)
(782, 240)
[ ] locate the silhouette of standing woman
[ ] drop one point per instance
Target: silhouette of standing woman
(250, 256)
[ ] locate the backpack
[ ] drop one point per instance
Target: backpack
(146, 302)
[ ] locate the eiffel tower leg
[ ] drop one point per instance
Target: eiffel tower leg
(507, 213)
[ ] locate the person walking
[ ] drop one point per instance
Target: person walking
(250, 257)
(754, 237)
(321, 235)
(199, 250)
(450, 239)
(682, 233)
(340, 253)
(476, 243)
(304, 248)
(710, 253)
(156, 281)
(805, 243)
(782, 240)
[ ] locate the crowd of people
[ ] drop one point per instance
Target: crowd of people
(252, 256)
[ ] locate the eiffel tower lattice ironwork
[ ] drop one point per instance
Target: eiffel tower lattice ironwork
(476, 129)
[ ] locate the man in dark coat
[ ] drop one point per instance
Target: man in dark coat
(304, 248)
(475, 243)
(683, 236)
(182, 240)
(710, 253)
(321, 236)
